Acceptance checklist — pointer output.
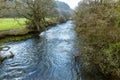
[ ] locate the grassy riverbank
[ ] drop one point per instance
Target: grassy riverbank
(13, 29)
(11, 23)
(15, 38)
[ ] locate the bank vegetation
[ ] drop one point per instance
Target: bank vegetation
(98, 27)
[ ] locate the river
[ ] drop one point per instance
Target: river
(51, 57)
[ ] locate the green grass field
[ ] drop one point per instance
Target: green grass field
(11, 23)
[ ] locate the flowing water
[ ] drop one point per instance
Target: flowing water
(49, 58)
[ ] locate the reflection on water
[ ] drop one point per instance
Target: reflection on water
(48, 58)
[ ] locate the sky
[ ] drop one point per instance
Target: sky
(71, 3)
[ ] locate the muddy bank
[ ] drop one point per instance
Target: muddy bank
(18, 34)
(14, 32)
(23, 31)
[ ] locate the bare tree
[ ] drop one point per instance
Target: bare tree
(36, 11)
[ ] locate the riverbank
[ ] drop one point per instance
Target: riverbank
(99, 39)
(12, 27)
(22, 33)
(16, 34)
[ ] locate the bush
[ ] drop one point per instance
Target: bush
(98, 27)
(111, 65)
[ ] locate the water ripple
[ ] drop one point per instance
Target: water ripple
(49, 58)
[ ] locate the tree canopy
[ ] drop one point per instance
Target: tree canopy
(36, 11)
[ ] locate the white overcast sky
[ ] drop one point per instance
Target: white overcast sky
(71, 3)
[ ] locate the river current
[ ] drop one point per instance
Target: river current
(51, 57)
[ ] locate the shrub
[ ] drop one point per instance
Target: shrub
(98, 27)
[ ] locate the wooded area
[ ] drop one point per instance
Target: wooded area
(98, 26)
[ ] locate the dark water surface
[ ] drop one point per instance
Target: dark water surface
(49, 58)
